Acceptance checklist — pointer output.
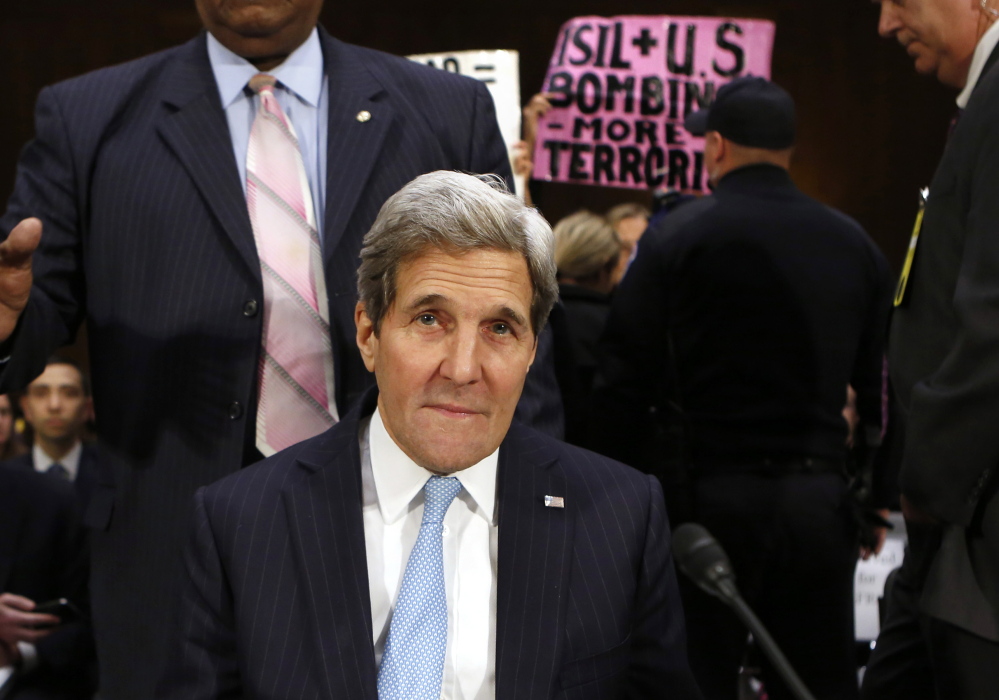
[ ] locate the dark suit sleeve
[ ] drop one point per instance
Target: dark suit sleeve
(868, 381)
(487, 152)
(203, 661)
(868, 370)
(659, 638)
(952, 445)
(46, 187)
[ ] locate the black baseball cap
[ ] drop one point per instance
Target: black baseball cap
(749, 111)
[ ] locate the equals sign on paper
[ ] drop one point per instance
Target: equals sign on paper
(485, 69)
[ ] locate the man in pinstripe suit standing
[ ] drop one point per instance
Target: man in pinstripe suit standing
(428, 546)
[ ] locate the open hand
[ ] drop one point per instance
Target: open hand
(15, 272)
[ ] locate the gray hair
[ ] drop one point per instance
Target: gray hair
(453, 211)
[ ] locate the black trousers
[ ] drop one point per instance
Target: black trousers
(918, 657)
(792, 541)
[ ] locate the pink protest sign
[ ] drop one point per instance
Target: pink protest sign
(623, 86)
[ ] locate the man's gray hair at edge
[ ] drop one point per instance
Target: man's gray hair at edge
(454, 212)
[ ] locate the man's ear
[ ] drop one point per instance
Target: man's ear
(367, 341)
(719, 146)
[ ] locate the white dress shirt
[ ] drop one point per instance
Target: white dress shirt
(71, 461)
(393, 510)
(983, 49)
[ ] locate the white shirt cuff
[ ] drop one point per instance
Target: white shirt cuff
(29, 656)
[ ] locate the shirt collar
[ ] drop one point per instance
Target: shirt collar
(398, 479)
(71, 461)
(983, 50)
(301, 72)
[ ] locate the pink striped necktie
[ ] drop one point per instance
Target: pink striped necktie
(295, 388)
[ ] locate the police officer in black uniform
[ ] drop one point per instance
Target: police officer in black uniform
(744, 318)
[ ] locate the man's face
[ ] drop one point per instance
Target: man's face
(451, 355)
(260, 29)
(939, 35)
(55, 404)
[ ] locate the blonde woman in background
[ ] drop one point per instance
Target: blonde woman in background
(587, 251)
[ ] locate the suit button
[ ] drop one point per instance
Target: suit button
(250, 308)
(235, 410)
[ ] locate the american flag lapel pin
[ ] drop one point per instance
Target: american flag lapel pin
(554, 502)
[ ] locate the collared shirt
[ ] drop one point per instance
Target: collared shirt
(302, 93)
(393, 510)
(71, 461)
(982, 52)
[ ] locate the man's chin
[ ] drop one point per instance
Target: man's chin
(450, 456)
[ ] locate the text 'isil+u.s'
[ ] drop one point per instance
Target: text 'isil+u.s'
(629, 124)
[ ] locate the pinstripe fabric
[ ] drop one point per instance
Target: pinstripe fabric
(147, 236)
(278, 604)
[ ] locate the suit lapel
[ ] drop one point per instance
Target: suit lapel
(354, 138)
(194, 126)
(990, 61)
(86, 474)
(535, 556)
(327, 533)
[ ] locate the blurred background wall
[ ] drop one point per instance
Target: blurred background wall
(870, 130)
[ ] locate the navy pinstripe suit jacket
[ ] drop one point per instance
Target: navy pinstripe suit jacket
(147, 236)
(278, 601)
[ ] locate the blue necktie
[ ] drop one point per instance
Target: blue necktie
(413, 663)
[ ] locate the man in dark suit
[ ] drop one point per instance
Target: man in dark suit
(57, 405)
(425, 546)
(941, 635)
(139, 175)
(43, 556)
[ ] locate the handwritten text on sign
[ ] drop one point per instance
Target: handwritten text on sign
(623, 86)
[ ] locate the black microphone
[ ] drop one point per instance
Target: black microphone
(703, 560)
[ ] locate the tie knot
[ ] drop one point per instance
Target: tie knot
(261, 81)
(438, 494)
(58, 470)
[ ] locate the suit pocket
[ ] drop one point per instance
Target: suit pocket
(100, 508)
(603, 666)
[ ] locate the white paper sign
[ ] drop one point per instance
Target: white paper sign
(500, 71)
(869, 581)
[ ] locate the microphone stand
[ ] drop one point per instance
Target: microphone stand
(730, 594)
